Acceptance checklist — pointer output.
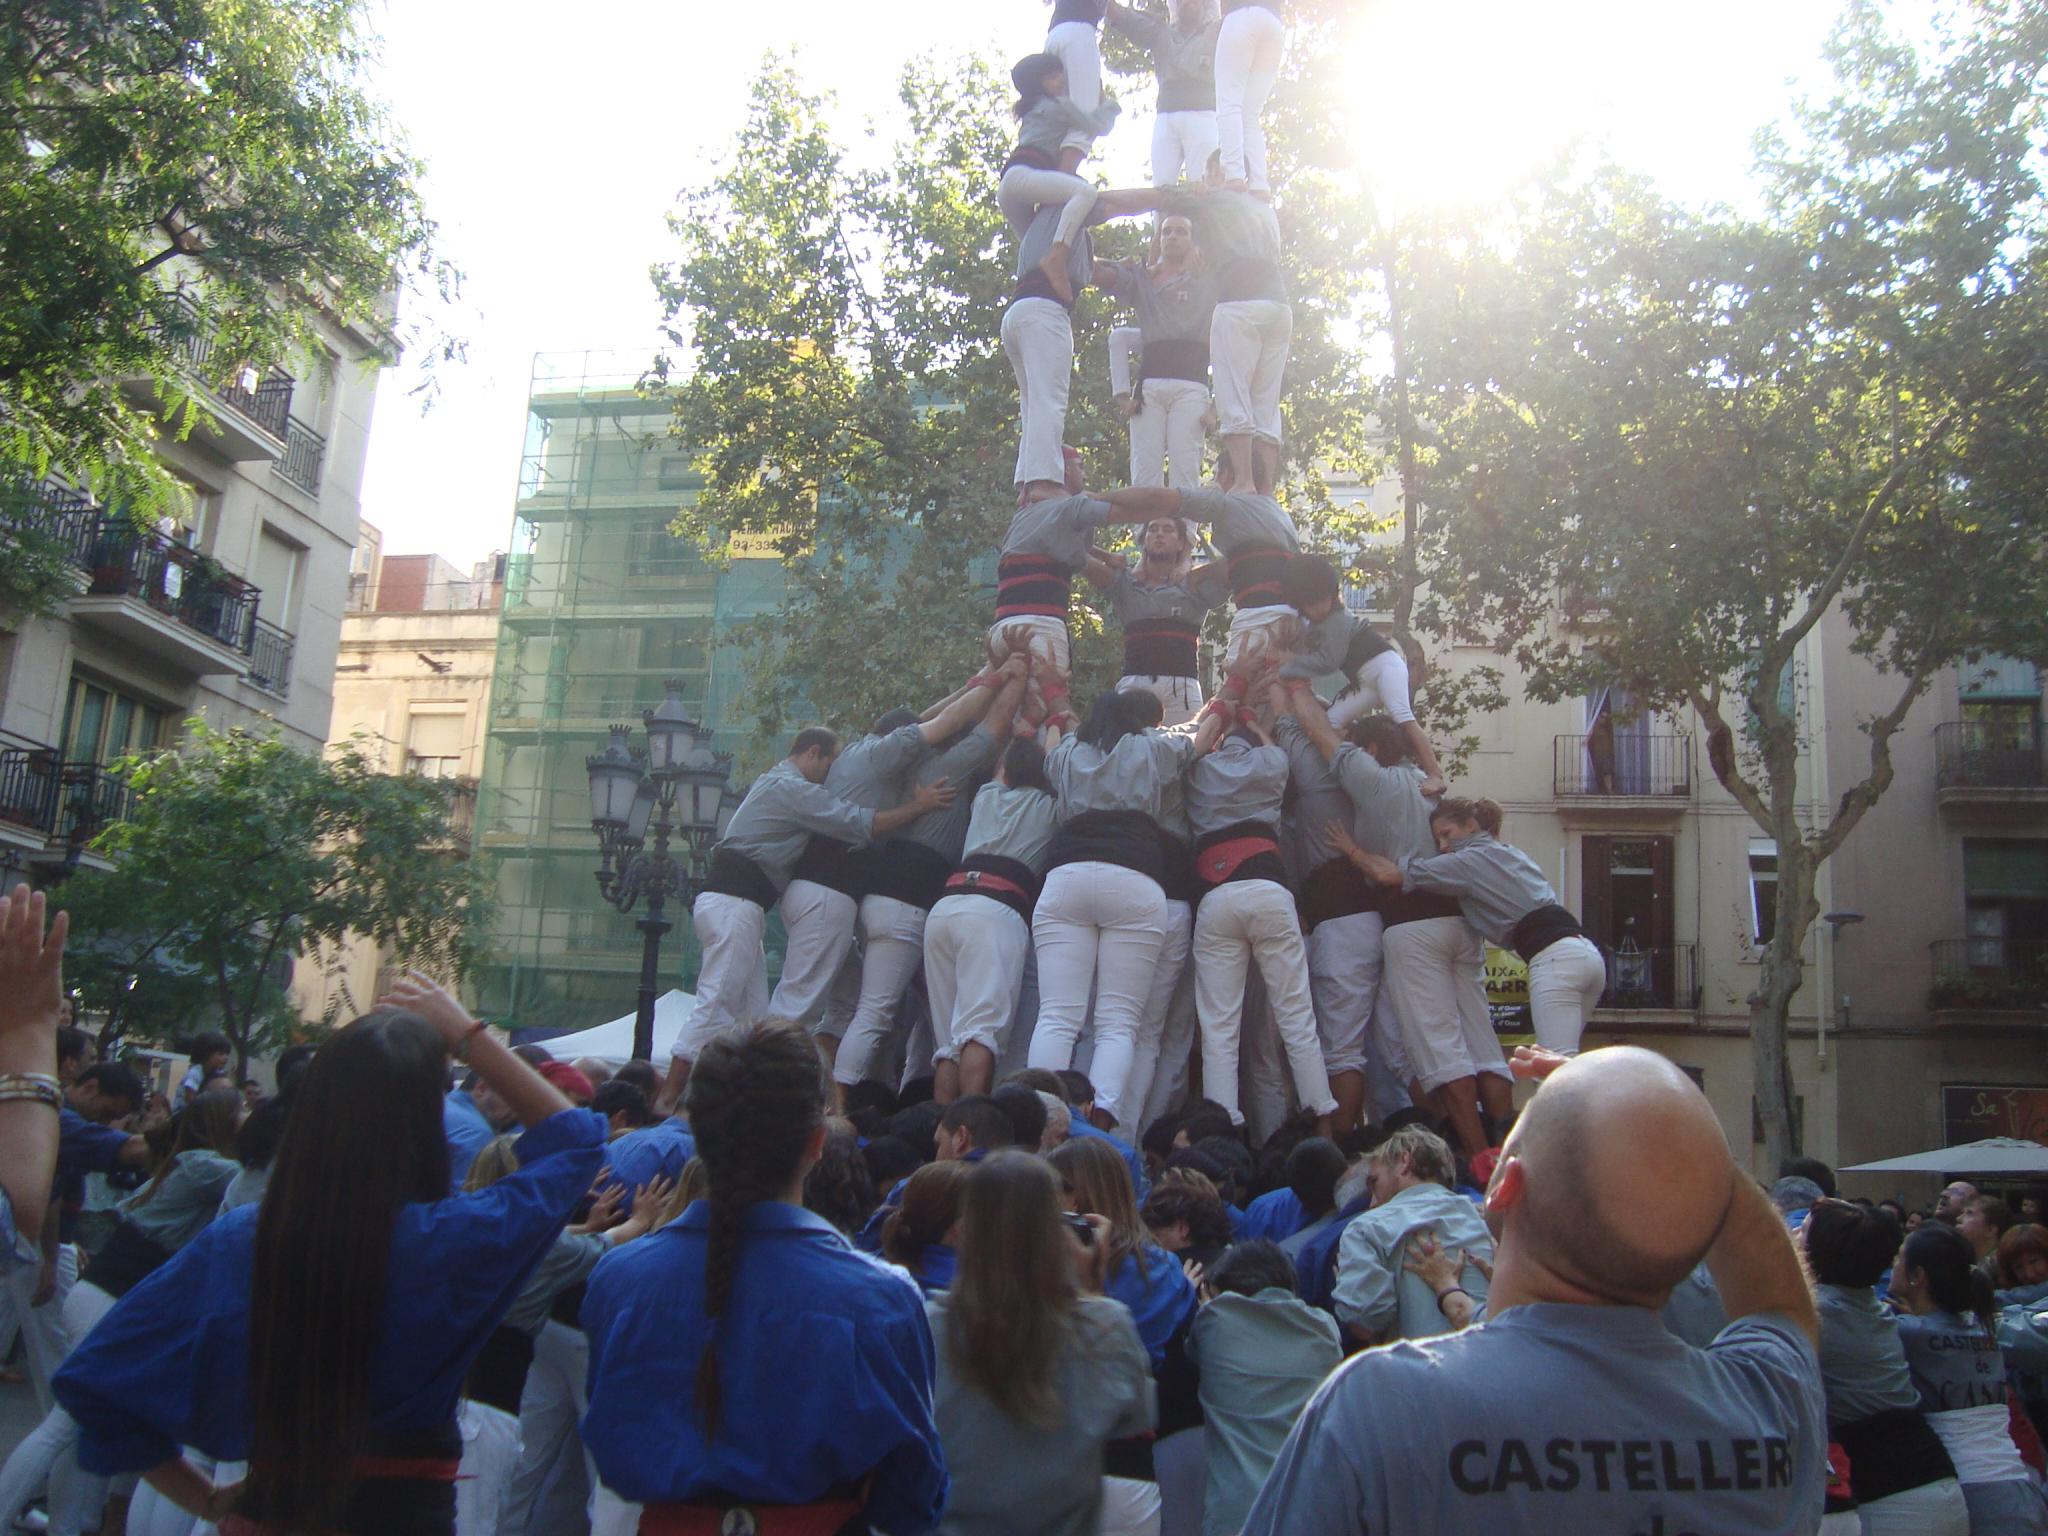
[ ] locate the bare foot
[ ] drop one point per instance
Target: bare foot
(1054, 267)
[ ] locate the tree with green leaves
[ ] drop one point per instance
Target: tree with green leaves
(186, 187)
(1714, 437)
(240, 855)
(847, 385)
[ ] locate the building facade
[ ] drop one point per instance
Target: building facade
(232, 615)
(601, 606)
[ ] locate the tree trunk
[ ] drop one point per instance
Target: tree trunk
(1770, 1006)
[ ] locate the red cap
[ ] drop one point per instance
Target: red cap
(565, 1077)
(1483, 1166)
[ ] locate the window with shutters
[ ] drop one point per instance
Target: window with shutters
(434, 743)
(2005, 898)
(1628, 908)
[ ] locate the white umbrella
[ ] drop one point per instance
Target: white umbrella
(613, 1042)
(1995, 1154)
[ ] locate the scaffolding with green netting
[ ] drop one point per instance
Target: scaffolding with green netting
(602, 605)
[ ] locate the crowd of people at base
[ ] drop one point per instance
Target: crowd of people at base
(531, 1305)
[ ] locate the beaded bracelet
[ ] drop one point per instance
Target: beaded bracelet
(39, 1086)
(468, 1036)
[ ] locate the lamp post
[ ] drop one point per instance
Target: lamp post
(674, 783)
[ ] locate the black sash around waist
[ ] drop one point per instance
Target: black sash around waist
(1255, 575)
(835, 865)
(1130, 839)
(1005, 880)
(1187, 358)
(1163, 647)
(1337, 889)
(1892, 1452)
(908, 872)
(1397, 907)
(734, 874)
(1035, 586)
(1540, 929)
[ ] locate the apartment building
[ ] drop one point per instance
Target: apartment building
(232, 615)
(412, 688)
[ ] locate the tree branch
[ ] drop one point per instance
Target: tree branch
(1859, 798)
(1721, 757)
(1858, 536)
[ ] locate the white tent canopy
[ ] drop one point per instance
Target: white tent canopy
(1995, 1155)
(613, 1042)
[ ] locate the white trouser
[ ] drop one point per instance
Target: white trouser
(1565, 983)
(553, 1479)
(1130, 1507)
(1126, 343)
(1169, 430)
(1263, 1090)
(490, 1454)
(1344, 966)
(1933, 1509)
(1079, 50)
(1038, 338)
(1248, 51)
(819, 922)
(1237, 923)
(48, 1455)
(43, 1335)
(1173, 959)
(732, 976)
(1097, 926)
(1254, 631)
(1433, 968)
(892, 940)
(974, 953)
(1043, 636)
(1248, 340)
(1182, 142)
(1024, 189)
(1179, 697)
(1388, 1072)
(1176, 1049)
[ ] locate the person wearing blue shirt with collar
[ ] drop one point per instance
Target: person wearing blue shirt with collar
(322, 1336)
(656, 1151)
(748, 1368)
(468, 1131)
(1138, 1272)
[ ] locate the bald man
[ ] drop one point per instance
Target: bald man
(1571, 1408)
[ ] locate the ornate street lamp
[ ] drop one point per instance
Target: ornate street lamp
(634, 789)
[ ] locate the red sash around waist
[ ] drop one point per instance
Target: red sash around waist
(1219, 861)
(980, 882)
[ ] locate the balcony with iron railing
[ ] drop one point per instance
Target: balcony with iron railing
(28, 788)
(1623, 768)
(90, 798)
(259, 401)
(305, 455)
(1992, 766)
(138, 579)
(270, 658)
(1989, 975)
(1661, 979)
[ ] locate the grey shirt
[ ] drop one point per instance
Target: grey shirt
(1177, 308)
(569, 1262)
(1374, 1292)
(1261, 1357)
(171, 1212)
(1239, 518)
(1240, 238)
(1011, 824)
(1183, 62)
(1862, 1362)
(1036, 245)
(781, 811)
(874, 771)
(1319, 799)
(1497, 885)
(944, 829)
(1551, 1419)
(1236, 782)
(1013, 1478)
(1134, 775)
(1393, 816)
(1058, 529)
(1045, 126)
(1323, 645)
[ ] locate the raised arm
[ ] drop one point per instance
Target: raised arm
(1754, 1264)
(31, 995)
(1424, 754)
(1123, 202)
(1135, 24)
(926, 797)
(1309, 714)
(958, 713)
(1102, 572)
(531, 1097)
(1002, 713)
(1142, 503)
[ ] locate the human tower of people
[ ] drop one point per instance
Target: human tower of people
(954, 1230)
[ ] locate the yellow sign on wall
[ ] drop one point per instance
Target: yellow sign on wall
(1507, 996)
(764, 545)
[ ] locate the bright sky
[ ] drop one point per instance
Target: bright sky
(556, 136)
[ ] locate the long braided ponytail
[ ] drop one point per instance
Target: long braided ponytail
(754, 1101)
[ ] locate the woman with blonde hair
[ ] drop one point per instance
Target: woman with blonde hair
(1036, 1371)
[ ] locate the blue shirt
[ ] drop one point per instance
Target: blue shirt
(936, 1267)
(1124, 1150)
(169, 1365)
(1276, 1215)
(1153, 1285)
(82, 1147)
(825, 1376)
(468, 1133)
(641, 1155)
(1315, 1266)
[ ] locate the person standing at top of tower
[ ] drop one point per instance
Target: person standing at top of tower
(1248, 51)
(1160, 603)
(1183, 49)
(1168, 403)
(1048, 118)
(1074, 38)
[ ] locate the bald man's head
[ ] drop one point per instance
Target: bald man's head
(1616, 1178)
